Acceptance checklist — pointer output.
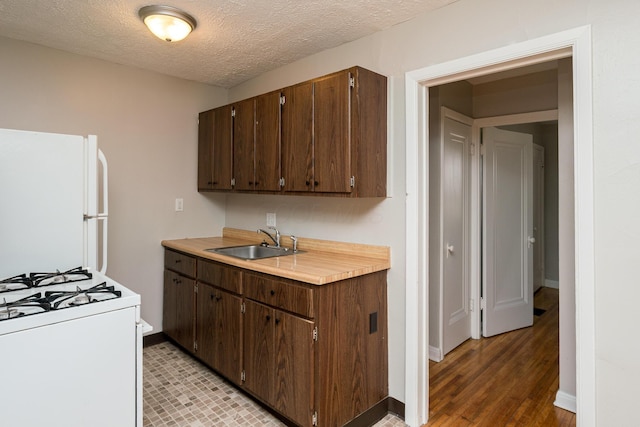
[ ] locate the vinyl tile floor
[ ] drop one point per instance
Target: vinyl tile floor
(180, 391)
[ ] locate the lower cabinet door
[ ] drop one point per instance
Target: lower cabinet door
(258, 350)
(178, 310)
(294, 385)
(219, 325)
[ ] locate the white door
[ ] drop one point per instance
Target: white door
(455, 288)
(507, 231)
(538, 216)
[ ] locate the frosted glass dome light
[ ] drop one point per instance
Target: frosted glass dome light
(167, 23)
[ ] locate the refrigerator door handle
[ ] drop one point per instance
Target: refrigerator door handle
(105, 209)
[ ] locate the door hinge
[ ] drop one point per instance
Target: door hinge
(243, 308)
(233, 182)
(283, 99)
(314, 418)
(483, 304)
(315, 334)
(352, 81)
(195, 346)
(352, 181)
(281, 182)
(243, 376)
(233, 112)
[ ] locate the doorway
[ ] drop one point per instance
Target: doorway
(574, 43)
(510, 276)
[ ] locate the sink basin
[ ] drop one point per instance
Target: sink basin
(250, 252)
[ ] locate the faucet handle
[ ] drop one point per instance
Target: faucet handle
(294, 239)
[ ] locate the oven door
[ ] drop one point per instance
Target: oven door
(76, 373)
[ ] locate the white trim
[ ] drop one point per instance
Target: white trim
(565, 401)
(417, 270)
(576, 42)
(548, 283)
(435, 354)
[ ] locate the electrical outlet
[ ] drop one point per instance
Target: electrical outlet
(271, 219)
(179, 205)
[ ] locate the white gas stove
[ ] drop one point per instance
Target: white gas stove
(70, 337)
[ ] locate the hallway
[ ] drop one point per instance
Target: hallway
(506, 380)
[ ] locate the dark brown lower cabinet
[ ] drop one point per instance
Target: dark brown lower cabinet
(278, 360)
(218, 330)
(178, 309)
(315, 354)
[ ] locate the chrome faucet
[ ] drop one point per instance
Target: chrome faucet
(276, 239)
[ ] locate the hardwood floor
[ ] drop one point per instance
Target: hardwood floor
(506, 380)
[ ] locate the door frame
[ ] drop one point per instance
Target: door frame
(575, 43)
(476, 188)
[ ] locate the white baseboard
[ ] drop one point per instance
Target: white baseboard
(565, 401)
(551, 284)
(435, 354)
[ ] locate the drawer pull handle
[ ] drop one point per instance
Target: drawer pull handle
(178, 261)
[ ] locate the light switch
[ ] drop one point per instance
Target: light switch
(179, 205)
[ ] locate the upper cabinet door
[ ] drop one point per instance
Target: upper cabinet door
(267, 142)
(222, 148)
(297, 137)
(205, 150)
(214, 149)
(244, 144)
(332, 138)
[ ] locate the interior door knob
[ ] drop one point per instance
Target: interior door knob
(450, 250)
(530, 241)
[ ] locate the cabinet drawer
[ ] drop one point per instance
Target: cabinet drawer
(219, 275)
(280, 294)
(180, 263)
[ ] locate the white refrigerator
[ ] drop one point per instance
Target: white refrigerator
(75, 364)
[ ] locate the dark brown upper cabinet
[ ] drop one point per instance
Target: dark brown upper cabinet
(267, 146)
(256, 143)
(326, 136)
(297, 138)
(331, 138)
(244, 144)
(215, 149)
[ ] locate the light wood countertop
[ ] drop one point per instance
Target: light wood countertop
(321, 261)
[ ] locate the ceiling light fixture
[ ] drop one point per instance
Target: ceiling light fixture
(167, 23)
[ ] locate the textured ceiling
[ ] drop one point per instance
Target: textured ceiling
(235, 40)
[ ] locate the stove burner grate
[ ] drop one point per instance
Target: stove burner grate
(20, 281)
(74, 275)
(32, 304)
(64, 299)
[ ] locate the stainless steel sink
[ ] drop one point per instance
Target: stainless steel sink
(250, 252)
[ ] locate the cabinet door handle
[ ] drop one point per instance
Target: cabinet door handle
(277, 321)
(268, 317)
(316, 183)
(272, 292)
(308, 183)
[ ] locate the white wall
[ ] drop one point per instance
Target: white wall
(467, 27)
(146, 125)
